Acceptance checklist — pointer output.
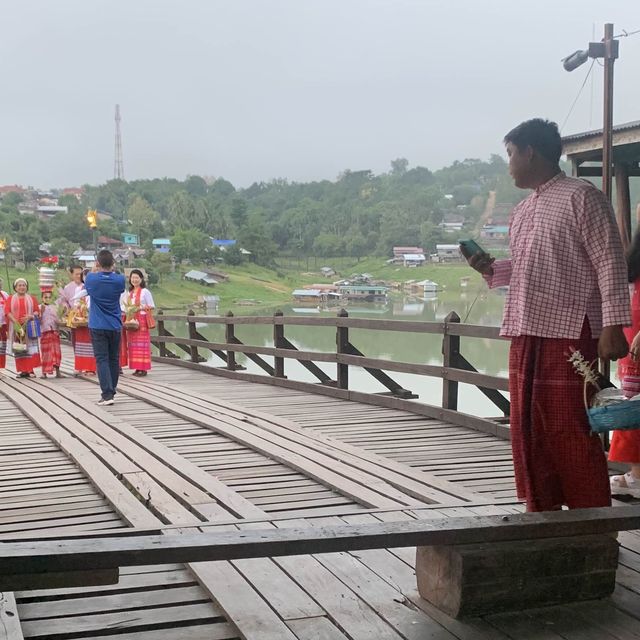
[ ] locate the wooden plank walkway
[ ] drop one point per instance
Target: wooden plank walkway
(182, 449)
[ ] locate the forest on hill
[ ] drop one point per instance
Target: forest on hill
(357, 214)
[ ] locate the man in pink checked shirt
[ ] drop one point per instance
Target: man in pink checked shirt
(568, 288)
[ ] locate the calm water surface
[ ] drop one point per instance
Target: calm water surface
(488, 356)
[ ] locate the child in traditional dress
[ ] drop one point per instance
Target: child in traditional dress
(50, 351)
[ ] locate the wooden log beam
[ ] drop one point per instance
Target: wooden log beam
(66, 555)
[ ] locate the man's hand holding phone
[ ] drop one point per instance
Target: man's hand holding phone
(477, 258)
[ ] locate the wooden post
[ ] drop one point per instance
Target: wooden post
(230, 337)
(193, 335)
(478, 579)
(450, 353)
(278, 343)
(342, 346)
(623, 202)
(162, 346)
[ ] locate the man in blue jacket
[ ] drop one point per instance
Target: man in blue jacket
(105, 323)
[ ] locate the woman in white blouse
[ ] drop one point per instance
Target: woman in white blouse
(139, 340)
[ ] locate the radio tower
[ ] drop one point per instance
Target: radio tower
(118, 165)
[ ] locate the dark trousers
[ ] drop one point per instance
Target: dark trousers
(106, 348)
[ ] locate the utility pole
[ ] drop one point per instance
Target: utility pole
(118, 164)
(609, 49)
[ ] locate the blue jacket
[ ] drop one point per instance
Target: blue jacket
(104, 289)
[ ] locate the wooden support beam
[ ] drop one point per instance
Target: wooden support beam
(193, 335)
(381, 376)
(623, 203)
(65, 555)
(495, 396)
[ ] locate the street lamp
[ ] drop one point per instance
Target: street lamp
(92, 219)
(608, 50)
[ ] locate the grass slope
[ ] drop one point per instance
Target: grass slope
(268, 287)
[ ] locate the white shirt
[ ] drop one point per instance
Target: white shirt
(146, 300)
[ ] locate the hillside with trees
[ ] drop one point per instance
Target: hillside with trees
(357, 214)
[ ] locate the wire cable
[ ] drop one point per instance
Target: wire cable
(578, 95)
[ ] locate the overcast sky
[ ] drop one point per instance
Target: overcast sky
(256, 89)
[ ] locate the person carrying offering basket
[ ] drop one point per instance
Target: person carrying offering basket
(22, 314)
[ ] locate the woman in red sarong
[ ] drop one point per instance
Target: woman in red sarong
(139, 340)
(20, 308)
(84, 360)
(3, 328)
(625, 445)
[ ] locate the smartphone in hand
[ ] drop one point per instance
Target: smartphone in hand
(470, 248)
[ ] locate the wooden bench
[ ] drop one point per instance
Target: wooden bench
(467, 541)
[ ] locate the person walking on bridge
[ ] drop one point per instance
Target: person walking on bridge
(105, 287)
(567, 280)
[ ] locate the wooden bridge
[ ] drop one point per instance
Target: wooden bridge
(233, 454)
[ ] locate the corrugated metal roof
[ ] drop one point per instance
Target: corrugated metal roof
(598, 132)
(306, 292)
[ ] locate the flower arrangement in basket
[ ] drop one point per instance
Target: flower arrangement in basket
(609, 408)
(79, 315)
(130, 311)
(19, 338)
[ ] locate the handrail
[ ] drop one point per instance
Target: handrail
(455, 368)
(468, 330)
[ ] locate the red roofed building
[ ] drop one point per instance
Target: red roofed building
(108, 243)
(11, 188)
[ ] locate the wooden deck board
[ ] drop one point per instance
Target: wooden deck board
(340, 596)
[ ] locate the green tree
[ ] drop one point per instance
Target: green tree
(162, 264)
(356, 245)
(195, 186)
(142, 218)
(328, 245)
(190, 244)
(64, 249)
(233, 255)
(238, 213)
(399, 166)
(254, 237)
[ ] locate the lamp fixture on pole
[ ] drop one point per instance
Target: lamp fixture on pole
(607, 49)
(3, 248)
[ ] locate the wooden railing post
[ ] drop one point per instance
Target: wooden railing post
(193, 335)
(342, 347)
(450, 353)
(230, 338)
(161, 332)
(278, 343)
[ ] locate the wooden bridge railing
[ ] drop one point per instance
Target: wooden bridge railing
(455, 367)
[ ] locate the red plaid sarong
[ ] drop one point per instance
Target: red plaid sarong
(50, 352)
(139, 345)
(84, 360)
(556, 459)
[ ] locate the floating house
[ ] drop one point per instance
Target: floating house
(364, 292)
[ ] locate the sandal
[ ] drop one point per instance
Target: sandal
(625, 485)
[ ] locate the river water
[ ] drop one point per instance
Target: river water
(480, 306)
